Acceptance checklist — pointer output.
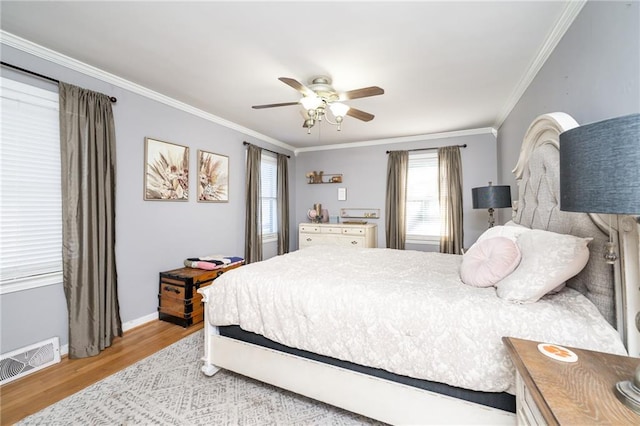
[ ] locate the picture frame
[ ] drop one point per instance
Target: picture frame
(213, 177)
(166, 171)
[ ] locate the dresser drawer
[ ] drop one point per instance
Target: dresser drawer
(331, 230)
(353, 242)
(527, 412)
(530, 409)
(353, 231)
(307, 240)
(310, 229)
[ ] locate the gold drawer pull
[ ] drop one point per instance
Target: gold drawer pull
(173, 289)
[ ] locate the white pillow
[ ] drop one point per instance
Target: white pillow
(512, 223)
(510, 232)
(488, 261)
(548, 260)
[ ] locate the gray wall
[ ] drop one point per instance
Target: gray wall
(364, 176)
(151, 236)
(593, 74)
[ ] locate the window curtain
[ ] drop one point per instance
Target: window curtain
(88, 163)
(396, 199)
(253, 220)
(283, 204)
(450, 188)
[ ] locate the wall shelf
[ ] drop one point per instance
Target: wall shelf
(352, 213)
(315, 178)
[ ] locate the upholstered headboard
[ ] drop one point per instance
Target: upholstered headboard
(538, 207)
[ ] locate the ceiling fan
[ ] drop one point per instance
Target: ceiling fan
(320, 95)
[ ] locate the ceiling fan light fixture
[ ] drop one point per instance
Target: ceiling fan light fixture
(319, 95)
(311, 102)
(309, 123)
(339, 110)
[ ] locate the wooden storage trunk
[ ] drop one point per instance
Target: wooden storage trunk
(179, 300)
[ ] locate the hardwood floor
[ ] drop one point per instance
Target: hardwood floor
(34, 392)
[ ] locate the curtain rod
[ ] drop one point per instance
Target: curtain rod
(247, 143)
(44, 77)
(436, 147)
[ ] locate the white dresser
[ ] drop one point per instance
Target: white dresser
(341, 234)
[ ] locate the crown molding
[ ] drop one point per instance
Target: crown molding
(415, 138)
(47, 54)
(569, 14)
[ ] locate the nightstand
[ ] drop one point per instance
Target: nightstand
(562, 393)
(178, 297)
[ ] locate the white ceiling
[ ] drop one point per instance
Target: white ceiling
(444, 66)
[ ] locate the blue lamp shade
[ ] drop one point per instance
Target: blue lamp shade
(491, 197)
(600, 167)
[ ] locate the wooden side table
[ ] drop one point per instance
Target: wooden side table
(178, 297)
(562, 393)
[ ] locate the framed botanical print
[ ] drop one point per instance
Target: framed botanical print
(213, 177)
(166, 175)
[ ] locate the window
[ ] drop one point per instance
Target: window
(269, 197)
(423, 205)
(30, 194)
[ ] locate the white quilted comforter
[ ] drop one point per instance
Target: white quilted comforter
(406, 312)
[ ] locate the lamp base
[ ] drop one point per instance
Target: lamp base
(492, 221)
(629, 395)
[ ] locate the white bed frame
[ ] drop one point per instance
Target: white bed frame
(395, 403)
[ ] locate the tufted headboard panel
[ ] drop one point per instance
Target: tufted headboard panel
(538, 207)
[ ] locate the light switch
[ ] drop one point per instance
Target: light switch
(342, 194)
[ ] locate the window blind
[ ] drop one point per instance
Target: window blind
(269, 195)
(31, 206)
(423, 205)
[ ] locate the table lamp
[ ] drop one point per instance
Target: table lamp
(491, 197)
(599, 173)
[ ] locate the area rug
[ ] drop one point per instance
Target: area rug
(168, 388)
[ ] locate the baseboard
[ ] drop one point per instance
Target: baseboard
(139, 321)
(64, 349)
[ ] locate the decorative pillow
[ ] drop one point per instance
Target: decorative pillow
(509, 231)
(512, 223)
(488, 261)
(548, 260)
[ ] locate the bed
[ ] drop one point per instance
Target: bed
(399, 337)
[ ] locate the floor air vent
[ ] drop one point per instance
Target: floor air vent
(29, 359)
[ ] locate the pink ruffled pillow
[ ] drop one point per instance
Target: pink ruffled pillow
(489, 261)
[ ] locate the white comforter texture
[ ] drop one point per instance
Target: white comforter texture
(406, 312)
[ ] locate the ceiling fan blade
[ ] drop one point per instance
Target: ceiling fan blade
(274, 105)
(361, 93)
(360, 115)
(297, 85)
